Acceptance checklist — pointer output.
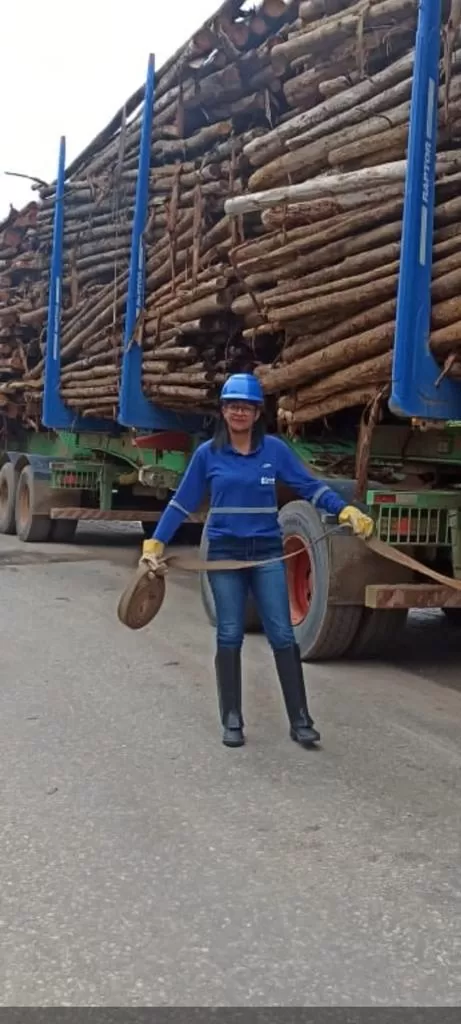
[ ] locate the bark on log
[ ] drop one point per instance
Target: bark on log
(343, 353)
(305, 43)
(178, 392)
(348, 400)
(371, 371)
(298, 214)
(325, 185)
(348, 300)
(444, 339)
(352, 101)
(342, 228)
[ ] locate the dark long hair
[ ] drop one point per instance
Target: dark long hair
(221, 434)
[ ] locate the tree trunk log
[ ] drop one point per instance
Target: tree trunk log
(343, 353)
(346, 400)
(326, 185)
(371, 371)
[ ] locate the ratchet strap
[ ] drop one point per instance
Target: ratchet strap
(143, 597)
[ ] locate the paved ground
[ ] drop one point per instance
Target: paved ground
(142, 863)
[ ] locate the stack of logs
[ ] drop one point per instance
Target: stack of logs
(309, 100)
(304, 291)
(22, 301)
(98, 215)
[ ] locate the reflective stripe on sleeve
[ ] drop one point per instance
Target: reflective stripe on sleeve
(319, 494)
(175, 504)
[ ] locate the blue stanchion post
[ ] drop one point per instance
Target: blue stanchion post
(55, 414)
(135, 409)
(415, 370)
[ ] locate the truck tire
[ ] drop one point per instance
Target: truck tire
(378, 632)
(252, 620)
(453, 616)
(324, 632)
(63, 530)
(30, 527)
(8, 483)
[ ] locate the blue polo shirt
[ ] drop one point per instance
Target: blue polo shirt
(242, 490)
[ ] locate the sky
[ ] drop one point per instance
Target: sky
(65, 69)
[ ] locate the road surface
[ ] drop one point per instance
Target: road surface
(142, 863)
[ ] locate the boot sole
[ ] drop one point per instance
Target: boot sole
(239, 741)
(303, 743)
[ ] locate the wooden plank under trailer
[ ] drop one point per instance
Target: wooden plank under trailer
(388, 596)
(121, 515)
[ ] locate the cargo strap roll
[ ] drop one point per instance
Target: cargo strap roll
(142, 599)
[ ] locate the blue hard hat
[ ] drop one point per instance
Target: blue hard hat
(243, 387)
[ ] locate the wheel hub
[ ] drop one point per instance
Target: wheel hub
(300, 578)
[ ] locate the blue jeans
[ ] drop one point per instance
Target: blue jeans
(267, 584)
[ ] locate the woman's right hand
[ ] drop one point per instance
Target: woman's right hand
(152, 556)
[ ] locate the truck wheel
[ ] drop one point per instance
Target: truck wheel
(453, 616)
(8, 482)
(30, 527)
(63, 530)
(323, 631)
(252, 620)
(378, 632)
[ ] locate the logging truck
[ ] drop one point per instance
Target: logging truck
(344, 600)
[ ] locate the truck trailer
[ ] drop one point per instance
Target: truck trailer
(345, 601)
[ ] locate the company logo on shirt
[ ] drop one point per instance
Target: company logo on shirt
(267, 479)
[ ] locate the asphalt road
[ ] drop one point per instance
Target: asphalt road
(144, 864)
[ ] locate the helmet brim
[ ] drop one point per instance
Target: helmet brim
(241, 398)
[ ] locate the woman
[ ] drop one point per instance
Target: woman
(240, 468)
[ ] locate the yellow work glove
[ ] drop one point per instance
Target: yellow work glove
(152, 556)
(362, 525)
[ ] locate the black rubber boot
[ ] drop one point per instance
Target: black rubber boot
(229, 683)
(290, 673)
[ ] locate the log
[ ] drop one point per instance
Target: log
(325, 185)
(278, 246)
(190, 380)
(347, 400)
(343, 353)
(444, 339)
(371, 371)
(319, 284)
(343, 229)
(352, 101)
(83, 393)
(313, 156)
(333, 86)
(181, 393)
(346, 301)
(74, 374)
(309, 152)
(352, 245)
(305, 43)
(298, 214)
(177, 355)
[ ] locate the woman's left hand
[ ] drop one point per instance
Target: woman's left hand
(152, 557)
(361, 524)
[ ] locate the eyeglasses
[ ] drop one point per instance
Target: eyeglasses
(246, 407)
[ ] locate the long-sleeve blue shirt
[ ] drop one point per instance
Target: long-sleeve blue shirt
(242, 490)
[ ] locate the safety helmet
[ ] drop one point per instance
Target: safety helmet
(242, 387)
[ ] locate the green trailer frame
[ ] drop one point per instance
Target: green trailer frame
(63, 478)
